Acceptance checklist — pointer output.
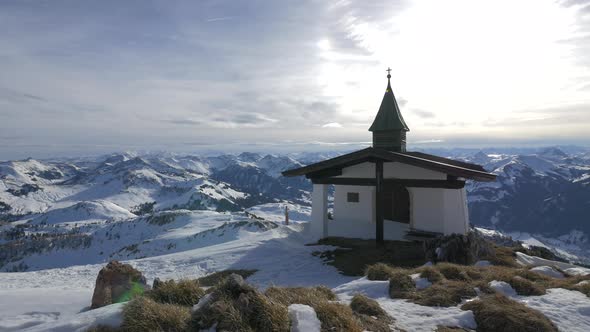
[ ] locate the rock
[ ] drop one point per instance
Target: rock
(459, 249)
(117, 282)
(157, 283)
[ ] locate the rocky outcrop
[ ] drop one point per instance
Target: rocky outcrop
(459, 249)
(117, 282)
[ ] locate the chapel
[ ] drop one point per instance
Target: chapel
(385, 192)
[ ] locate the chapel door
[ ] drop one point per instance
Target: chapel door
(396, 203)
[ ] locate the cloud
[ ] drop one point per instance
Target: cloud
(422, 113)
(332, 125)
(155, 73)
(216, 19)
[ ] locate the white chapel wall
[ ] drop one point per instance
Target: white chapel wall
(348, 212)
(427, 209)
(456, 217)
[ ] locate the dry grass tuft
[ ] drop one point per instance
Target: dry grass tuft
(369, 312)
(453, 271)
(431, 274)
(503, 256)
(366, 306)
(301, 295)
(441, 328)
(334, 316)
(337, 317)
(380, 271)
(237, 306)
(218, 277)
(144, 314)
(445, 294)
(526, 287)
(184, 292)
(401, 285)
(499, 313)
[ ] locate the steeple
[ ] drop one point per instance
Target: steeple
(389, 128)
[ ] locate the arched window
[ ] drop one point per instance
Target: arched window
(396, 203)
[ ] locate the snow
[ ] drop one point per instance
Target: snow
(204, 301)
(421, 283)
(527, 239)
(548, 271)
(109, 316)
(86, 212)
(100, 195)
(276, 212)
(571, 269)
(569, 310)
(303, 318)
(279, 254)
(502, 287)
(408, 316)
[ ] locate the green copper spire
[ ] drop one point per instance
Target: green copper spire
(389, 128)
(389, 117)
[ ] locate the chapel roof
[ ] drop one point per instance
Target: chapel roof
(389, 116)
(419, 159)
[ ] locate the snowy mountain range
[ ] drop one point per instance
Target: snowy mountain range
(57, 213)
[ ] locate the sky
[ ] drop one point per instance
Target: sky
(84, 77)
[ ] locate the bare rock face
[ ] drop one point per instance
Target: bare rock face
(117, 282)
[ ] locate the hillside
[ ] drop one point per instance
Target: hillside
(541, 197)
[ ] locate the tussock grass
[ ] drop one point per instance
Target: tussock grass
(218, 277)
(380, 271)
(526, 287)
(337, 317)
(503, 256)
(369, 312)
(585, 288)
(183, 292)
(144, 314)
(301, 295)
(237, 306)
(445, 294)
(441, 328)
(333, 316)
(401, 285)
(366, 306)
(453, 283)
(499, 313)
(453, 271)
(431, 274)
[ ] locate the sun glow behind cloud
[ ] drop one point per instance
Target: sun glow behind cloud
(471, 63)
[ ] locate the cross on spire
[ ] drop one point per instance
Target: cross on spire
(388, 73)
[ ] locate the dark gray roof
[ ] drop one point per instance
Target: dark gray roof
(419, 159)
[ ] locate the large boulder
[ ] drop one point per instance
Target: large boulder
(117, 282)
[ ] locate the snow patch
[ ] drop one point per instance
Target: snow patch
(548, 271)
(420, 283)
(502, 288)
(408, 316)
(569, 310)
(303, 318)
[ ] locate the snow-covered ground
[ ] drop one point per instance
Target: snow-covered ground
(57, 299)
(73, 217)
(279, 255)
